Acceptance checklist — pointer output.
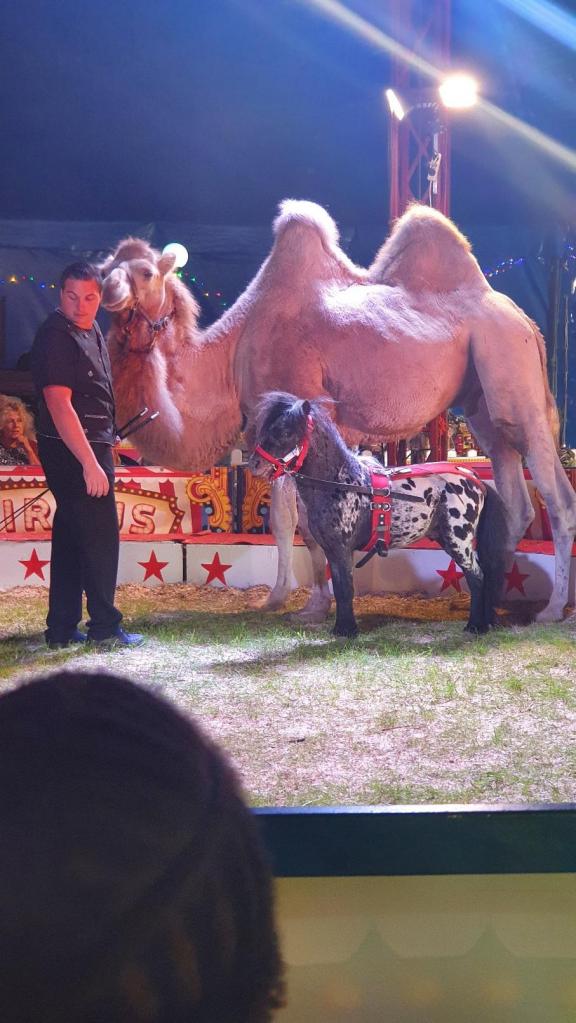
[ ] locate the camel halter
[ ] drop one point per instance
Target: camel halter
(155, 327)
(283, 465)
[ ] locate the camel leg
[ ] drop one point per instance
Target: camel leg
(518, 403)
(318, 605)
(508, 476)
(552, 482)
(283, 521)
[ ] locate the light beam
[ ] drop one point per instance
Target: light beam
(340, 14)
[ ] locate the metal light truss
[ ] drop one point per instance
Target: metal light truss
(420, 142)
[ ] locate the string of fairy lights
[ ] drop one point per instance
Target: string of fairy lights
(191, 279)
(508, 264)
(504, 266)
(197, 284)
(193, 282)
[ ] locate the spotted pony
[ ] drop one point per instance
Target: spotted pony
(453, 507)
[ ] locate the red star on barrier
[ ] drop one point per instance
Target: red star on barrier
(153, 567)
(450, 577)
(216, 569)
(34, 566)
(515, 579)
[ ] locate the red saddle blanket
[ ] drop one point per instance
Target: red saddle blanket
(380, 533)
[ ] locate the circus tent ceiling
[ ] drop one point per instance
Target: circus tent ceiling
(213, 110)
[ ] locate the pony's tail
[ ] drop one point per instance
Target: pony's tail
(492, 539)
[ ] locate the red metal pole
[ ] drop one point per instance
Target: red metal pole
(424, 27)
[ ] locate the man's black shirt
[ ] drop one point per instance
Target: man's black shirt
(65, 355)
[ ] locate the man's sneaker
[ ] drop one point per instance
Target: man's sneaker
(120, 638)
(60, 644)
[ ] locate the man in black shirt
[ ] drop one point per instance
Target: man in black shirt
(76, 434)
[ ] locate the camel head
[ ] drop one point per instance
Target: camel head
(135, 275)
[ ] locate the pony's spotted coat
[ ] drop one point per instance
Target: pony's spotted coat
(460, 512)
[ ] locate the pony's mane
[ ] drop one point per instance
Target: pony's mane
(370, 461)
(425, 252)
(274, 404)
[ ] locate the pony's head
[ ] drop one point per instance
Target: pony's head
(281, 431)
(136, 275)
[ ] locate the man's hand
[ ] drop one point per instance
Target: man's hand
(96, 480)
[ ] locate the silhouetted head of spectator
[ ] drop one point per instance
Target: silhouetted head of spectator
(133, 887)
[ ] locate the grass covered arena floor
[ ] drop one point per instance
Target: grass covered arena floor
(415, 710)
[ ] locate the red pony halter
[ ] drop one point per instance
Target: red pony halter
(297, 455)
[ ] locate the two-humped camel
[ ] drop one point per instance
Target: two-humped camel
(393, 345)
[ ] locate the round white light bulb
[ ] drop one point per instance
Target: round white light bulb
(180, 251)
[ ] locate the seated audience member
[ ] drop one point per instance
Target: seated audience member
(17, 440)
(133, 886)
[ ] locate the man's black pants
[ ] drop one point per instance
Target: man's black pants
(85, 545)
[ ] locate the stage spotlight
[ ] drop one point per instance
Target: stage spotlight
(395, 105)
(180, 251)
(459, 91)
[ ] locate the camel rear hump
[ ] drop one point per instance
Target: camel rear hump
(426, 252)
